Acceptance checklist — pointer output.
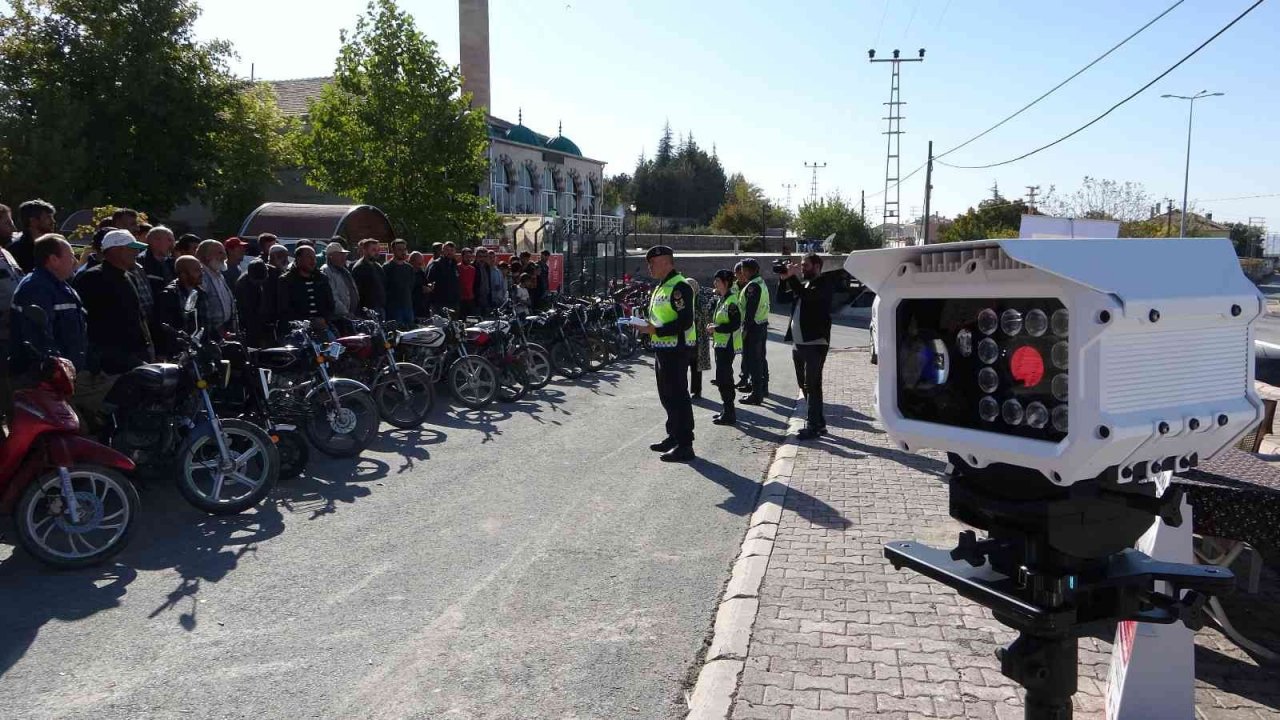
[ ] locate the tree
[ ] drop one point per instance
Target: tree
(110, 102)
(1247, 239)
(255, 139)
(1100, 199)
(746, 212)
(618, 191)
(393, 129)
(835, 215)
(681, 181)
(994, 217)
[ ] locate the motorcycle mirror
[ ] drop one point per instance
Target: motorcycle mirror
(190, 304)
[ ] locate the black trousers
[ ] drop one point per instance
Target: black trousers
(724, 377)
(673, 391)
(754, 363)
(809, 361)
(695, 379)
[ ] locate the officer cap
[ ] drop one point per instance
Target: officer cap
(658, 251)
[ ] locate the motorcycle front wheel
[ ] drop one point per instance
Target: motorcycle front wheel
(345, 430)
(108, 507)
(537, 365)
(228, 486)
(407, 408)
(473, 380)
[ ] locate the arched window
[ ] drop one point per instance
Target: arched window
(524, 193)
(498, 187)
(569, 201)
(548, 192)
(588, 197)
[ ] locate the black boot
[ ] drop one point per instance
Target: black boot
(664, 446)
(683, 453)
(728, 417)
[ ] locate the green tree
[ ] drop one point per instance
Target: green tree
(1101, 199)
(393, 129)
(109, 102)
(618, 190)
(994, 217)
(1247, 239)
(835, 215)
(255, 139)
(681, 181)
(746, 212)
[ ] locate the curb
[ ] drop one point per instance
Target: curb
(713, 694)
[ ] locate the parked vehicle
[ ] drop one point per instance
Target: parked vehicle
(248, 397)
(402, 391)
(440, 349)
(493, 340)
(162, 416)
(71, 505)
(337, 414)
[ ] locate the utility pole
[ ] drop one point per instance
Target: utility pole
(1032, 191)
(893, 145)
(813, 184)
(1168, 223)
(787, 187)
(1186, 176)
(928, 194)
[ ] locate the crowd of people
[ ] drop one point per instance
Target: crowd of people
(121, 302)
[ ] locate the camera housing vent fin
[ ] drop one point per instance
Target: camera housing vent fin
(956, 260)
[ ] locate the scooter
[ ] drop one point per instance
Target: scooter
(70, 504)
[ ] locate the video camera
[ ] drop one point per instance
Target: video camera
(1066, 380)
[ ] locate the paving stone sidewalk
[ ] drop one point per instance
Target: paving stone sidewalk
(841, 635)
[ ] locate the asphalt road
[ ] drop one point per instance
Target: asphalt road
(531, 561)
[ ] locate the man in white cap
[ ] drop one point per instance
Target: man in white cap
(119, 339)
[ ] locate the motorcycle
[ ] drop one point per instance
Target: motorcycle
(537, 359)
(70, 503)
(338, 415)
(441, 351)
(248, 396)
(493, 341)
(402, 391)
(162, 415)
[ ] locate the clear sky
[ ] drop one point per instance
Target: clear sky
(775, 84)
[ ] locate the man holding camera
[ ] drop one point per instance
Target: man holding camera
(755, 337)
(809, 333)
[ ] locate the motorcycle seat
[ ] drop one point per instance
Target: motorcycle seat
(276, 358)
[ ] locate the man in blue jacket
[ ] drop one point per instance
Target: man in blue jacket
(65, 331)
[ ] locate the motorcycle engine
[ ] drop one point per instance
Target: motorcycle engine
(142, 432)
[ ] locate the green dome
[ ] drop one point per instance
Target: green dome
(563, 144)
(522, 134)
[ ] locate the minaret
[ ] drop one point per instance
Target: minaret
(473, 35)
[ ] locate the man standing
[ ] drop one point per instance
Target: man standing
(64, 330)
(544, 276)
(467, 283)
(304, 293)
(156, 261)
(119, 339)
(219, 309)
(256, 304)
(36, 218)
(482, 282)
(186, 245)
(235, 248)
(10, 276)
(672, 332)
(809, 333)
(755, 320)
(421, 294)
(497, 286)
(8, 230)
(400, 283)
(125, 219)
(171, 307)
(442, 279)
(346, 298)
(371, 282)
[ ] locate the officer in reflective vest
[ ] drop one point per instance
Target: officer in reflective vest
(726, 337)
(672, 337)
(754, 298)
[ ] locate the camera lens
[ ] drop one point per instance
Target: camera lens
(988, 409)
(1037, 415)
(988, 380)
(964, 343)
(1011, 412)
(1060, 418)
(988, 322)
(1011, 322)
(988, 351)
(1060, 387)
(1060, 355)
(1037, 323)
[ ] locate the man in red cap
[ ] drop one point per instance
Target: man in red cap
(235, 257)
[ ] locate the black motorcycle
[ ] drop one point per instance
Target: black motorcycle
(162, 416)
(248, 396)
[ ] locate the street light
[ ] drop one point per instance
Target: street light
(1186, 178)
(635, 226)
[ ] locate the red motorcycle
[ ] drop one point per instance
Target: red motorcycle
(70, 504)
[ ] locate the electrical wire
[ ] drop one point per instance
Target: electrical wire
(1242, 197)
(883, 13)
(1113, 108)
(1073, 76)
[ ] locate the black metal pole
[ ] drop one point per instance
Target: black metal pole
(928, 193)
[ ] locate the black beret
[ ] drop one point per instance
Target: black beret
(658, 251)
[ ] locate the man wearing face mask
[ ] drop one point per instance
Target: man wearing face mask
(809, 333)
(218, 310)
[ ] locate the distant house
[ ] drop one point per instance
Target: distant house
(1199, 225)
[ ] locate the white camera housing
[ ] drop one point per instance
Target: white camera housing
(1160, 347)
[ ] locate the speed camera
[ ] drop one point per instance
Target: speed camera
(1074, 358)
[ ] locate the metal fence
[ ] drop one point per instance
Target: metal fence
(593, 255)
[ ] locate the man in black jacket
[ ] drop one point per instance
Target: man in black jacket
(157, 261)
(371, 281)
(256, 304)
(809, 334)
(119, 339)
(442, 279)
(35, 218)
(304, 292)
(170, 314)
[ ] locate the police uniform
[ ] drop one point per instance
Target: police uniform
(671, 312)
(727, 340)
(754, 300)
